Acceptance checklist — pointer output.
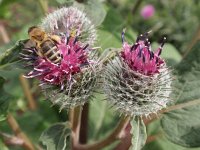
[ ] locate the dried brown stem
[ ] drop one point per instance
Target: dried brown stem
(115, 135)
(18, 132)
(27, 92)
(4, 34)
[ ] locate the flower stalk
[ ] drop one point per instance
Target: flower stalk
(19, 133)
(116, 134)
(25, 86)
(75, 119)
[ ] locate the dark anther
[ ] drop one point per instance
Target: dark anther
(68, 37)
(156, 60)
(81, 57)
(137, 40)
(75, 40)
(122, 35)
(78, 49)
(69, 51)
(151, 55)
(161, 46)
(163, 42)
(140, 52)
(134, 46)
(85, 46)
(143, 58)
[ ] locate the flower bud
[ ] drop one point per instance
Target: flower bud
(138, 82)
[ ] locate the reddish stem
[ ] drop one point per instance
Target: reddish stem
(84, 124)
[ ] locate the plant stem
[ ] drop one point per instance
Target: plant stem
(182, 105)
(171, 108)
(75, 119)
(84, 124)
(25, 86)
(152, 138)
(136, 6)
(194, 40)
(17, 131)
(115, 135)
(44, 6)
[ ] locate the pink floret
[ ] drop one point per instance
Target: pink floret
(140, 58)
(74, 57)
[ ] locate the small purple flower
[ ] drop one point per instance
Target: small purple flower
(147, 11)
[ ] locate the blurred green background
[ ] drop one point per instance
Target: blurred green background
(178, 20)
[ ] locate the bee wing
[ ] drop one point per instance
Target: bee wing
(29, 44)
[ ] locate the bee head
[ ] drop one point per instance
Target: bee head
(35, 33)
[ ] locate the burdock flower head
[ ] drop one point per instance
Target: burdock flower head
(137, 82)
(72, 21)
(62, 62)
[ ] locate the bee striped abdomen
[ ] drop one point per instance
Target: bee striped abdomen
(51, 52)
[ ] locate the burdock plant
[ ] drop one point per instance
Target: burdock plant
(137, 81)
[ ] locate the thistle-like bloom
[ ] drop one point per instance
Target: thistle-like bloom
(69, 83)
(66, 68)
(137, 82)
(72, 21)
(147, 11)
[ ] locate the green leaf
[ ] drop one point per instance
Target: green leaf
(2, 145)
(169, 53)
(139, 134)
(66, 2)
(94, 10)
(11, 55)
(162, 143)
(4, 100)
(183, 126)
(57, 137)
(106, 118)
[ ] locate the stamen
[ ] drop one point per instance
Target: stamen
(161, 46)
(140, 52)
(85, 46)
(134, 46)
(143, 58)
(151, 55)
(122, 35)
(75, 40)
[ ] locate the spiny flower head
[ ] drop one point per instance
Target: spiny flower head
(74, 57)
(137, 82)
(72, 21)
(62, 57)
(69, 83)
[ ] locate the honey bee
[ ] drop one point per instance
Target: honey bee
(45, 44)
